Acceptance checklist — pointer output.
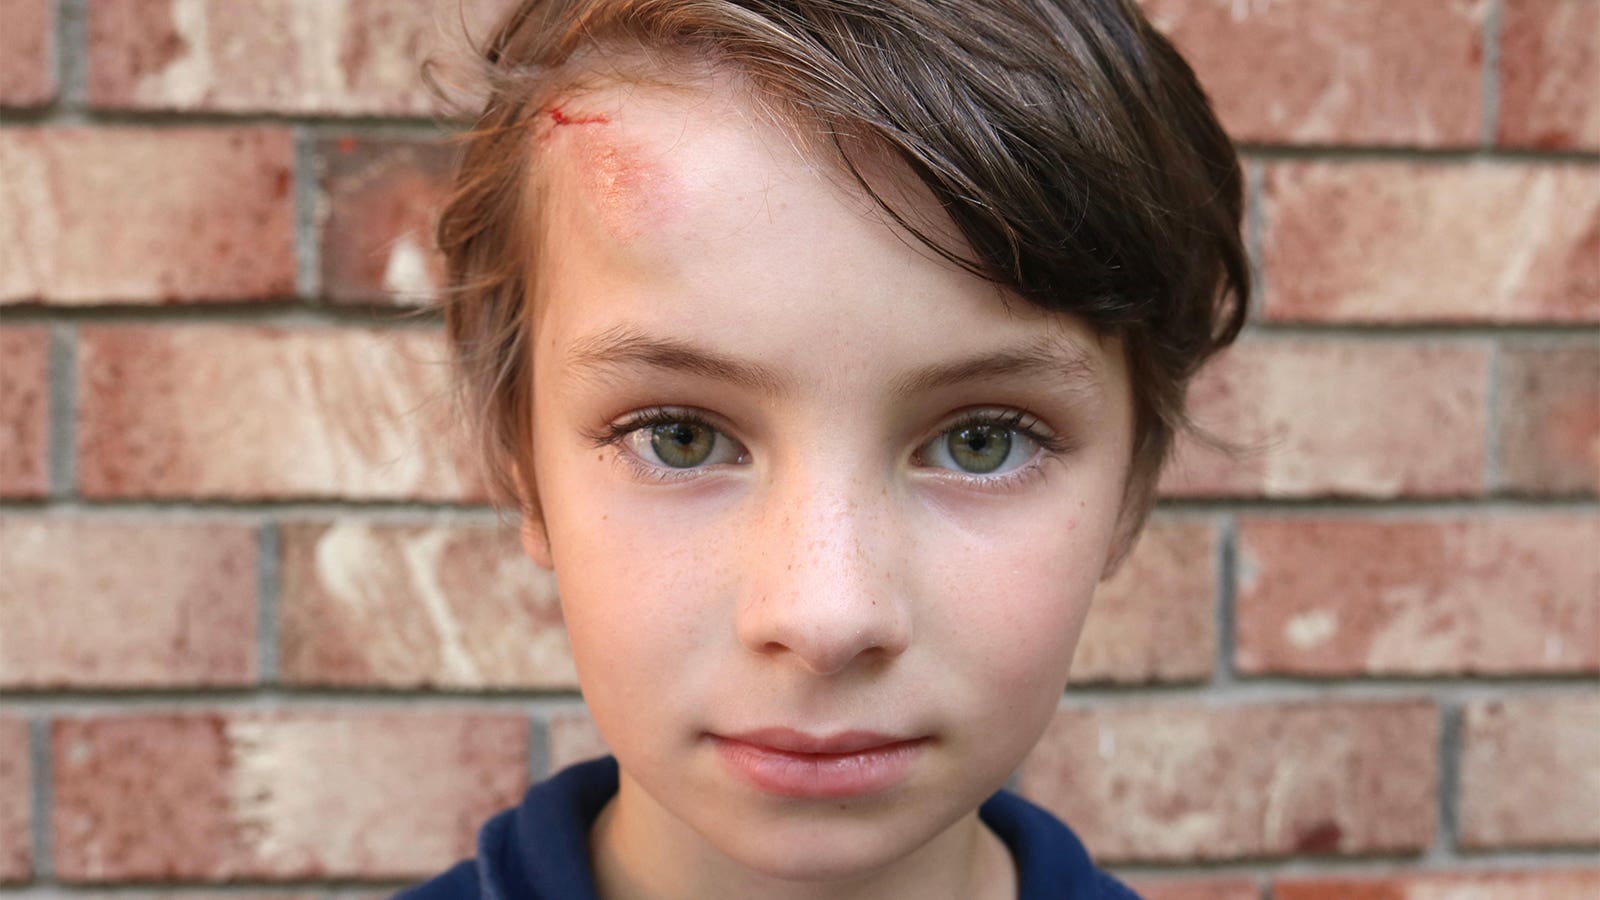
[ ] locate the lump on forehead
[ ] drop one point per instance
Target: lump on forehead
(642, 164)
(632, 162)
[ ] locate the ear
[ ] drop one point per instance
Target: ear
(535, 539)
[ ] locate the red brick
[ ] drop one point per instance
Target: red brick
(1195, 888)
(146, 215)
(1429, 241)
(1340, 417)
(190, 588)
(1549, 66)
(28, 53)
(319, 57)
(1170, 782)
(454, 606)
(24, 412)
(1337, 71)
(1155, 620)
(573, 739)
(1548, 417)
(16, 801)
(1450, 595)
(212, 797)
(380, 202)
(1530, 772)
(1553, 884)
(243, 412)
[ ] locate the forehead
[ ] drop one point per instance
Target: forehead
(645, 163)
(687, 214)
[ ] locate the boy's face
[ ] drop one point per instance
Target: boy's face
(845, 528)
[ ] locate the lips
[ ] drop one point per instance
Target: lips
(789, 763)
(789, 740)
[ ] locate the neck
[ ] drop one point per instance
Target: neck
(640, 851)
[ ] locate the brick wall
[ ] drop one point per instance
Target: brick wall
(259, 637)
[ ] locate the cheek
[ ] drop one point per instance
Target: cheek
(1011, 601)
(639, 578)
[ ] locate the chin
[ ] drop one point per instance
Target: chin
(819, 852)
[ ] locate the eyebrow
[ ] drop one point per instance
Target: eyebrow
(1058, 360)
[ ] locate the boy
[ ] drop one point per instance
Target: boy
(830, 350)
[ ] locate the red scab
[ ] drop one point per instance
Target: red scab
(561, 118)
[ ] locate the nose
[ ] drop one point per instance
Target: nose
(826, 584)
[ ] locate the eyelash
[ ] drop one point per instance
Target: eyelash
(1018, 420)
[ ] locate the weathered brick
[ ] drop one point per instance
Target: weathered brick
(573, 739)
(1169, 782)
(186, 590)
(380, 202)
(447, 605)
(1195, 888)
(1477, 594)
(1336, 71)
(1155, 620)
(237, 412)
(16, 801)
(212, 797)
(1327, 417)
(146, 215)
(28, 52)
(1392, 241)
(1549, 66)
(1547, 414)
(24, 411)
(1530, 772)
(319, 57)
(1550, 884)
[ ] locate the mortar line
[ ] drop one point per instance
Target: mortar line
(539, 753)
(1493, 444)
(301, 312)
(307, 200)
(1360, 865)
(268, 583)
(1226, 587)
(1490, 82)
(1447, 841)
(72, 64)
(63, 420)
(1255, 234)
(43, 801)
(286, 312)
(1267, 691)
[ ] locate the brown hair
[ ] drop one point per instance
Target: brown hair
(1067, 140)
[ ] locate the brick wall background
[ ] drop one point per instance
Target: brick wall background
(259, 637)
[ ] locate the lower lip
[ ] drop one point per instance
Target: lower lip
(820, 775)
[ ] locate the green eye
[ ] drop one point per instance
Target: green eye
(979, 449)
(682, 445)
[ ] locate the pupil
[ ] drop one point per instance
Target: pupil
(980, 448)
(682, 445)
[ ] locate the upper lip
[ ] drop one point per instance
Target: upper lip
(792, 741)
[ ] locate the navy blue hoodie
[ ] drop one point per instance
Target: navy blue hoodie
(539, 850)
